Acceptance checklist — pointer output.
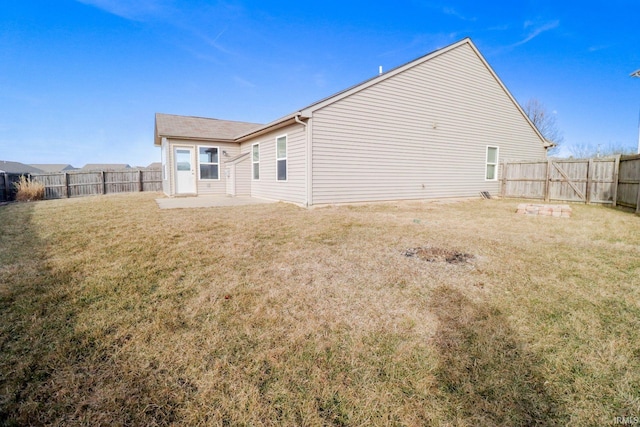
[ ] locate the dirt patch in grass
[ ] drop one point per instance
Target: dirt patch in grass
(434, 254)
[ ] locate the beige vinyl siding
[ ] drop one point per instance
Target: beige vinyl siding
(171, 173)
(422, 133)
(219, 186)
(203, 187)
(268, 187)
(166, 187)
(243, 177)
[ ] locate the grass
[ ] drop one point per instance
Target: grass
(117, 313)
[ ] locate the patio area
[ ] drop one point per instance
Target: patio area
(209, 202)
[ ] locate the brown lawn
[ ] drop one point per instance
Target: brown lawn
(411, 313)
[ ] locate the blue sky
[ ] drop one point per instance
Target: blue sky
(80, 81)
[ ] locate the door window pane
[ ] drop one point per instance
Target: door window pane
(183, 160)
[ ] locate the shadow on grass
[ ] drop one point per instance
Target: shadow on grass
(37, 339)
(25, 300)
(51, 370)
(485, 372)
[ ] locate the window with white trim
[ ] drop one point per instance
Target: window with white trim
(255, 161)
(491, 173)
(281, 157)
(208, 163)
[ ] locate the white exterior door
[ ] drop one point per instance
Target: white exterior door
(185, 170)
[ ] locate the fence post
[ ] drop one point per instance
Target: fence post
(5, 195)
(104, 184)
(547, 182)
(504, 179)
(616, 179)
(638, 199)
(139, 180)
(66, 185)
(587, 198)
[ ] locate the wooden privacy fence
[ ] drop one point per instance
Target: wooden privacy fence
(78, 184)
(7, 186)
(629, 182)
(611, 180)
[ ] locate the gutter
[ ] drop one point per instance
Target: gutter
(308, 163)
(297, 119)
(284, 121)
(192, 138)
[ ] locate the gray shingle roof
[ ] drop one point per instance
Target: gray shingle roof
(104, 167)
(169, 125)
(17, 167)
(50, 167)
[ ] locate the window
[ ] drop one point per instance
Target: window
(255, 160)
(209, 163)
(492, 164)
(281, 157)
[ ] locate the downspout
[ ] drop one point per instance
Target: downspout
(307, 130)
(166, 167)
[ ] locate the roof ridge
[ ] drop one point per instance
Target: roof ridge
(207, 118)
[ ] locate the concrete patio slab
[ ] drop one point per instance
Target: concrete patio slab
(209, 202)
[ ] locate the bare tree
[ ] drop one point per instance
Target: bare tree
(584, 151)
(581, 151)
(544, 121)
(614, 148)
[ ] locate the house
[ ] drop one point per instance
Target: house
(104, 167)
(17, 168)
(53, 168)
(435, 127)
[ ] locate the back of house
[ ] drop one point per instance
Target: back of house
(435, 127)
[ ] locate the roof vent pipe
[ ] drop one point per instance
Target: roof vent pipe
(380, 70)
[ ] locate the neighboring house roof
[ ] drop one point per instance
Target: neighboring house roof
(215, 126)
(17, 167)
(104, 166)
(47, 167)
(154, 165)
(187, 127)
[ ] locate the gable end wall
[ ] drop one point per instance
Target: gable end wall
(419, 134)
